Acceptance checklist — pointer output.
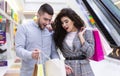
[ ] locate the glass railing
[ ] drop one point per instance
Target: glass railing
(105, 22)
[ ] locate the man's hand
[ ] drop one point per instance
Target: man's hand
(35, 54)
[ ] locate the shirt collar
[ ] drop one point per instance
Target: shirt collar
(35, 24)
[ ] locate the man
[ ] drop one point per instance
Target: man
(33, 40)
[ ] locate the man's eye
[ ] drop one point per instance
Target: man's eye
(45, 19)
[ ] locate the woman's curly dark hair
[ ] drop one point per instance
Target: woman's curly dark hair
(59, 32)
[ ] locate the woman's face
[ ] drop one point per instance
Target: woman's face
(68, 24)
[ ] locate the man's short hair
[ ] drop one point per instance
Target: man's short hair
(46, 8)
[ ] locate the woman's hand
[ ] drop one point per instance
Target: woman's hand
(68, 69)
(82, 31)
(80, 34)
(49, 27)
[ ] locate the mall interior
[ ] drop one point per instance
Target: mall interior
(103, 15)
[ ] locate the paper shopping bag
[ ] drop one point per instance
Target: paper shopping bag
(55, 67)
(98, 54)
(38, 70)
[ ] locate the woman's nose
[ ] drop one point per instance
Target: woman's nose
(64, 24)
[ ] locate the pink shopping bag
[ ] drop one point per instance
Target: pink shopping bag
(106, 46)
(98, 54)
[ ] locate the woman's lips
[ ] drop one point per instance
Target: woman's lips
(66, 28)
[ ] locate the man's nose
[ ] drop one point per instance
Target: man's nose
(47, 22)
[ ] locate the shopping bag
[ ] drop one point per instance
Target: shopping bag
(38, 70)
(55, 67)
(98, 49)
(106, 46)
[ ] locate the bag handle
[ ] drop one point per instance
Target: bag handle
(41, 59)
(46, 55)
(59, 53)
(38, 60)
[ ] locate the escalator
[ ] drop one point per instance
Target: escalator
(107, 22)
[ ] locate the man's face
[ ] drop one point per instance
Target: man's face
(44, 19)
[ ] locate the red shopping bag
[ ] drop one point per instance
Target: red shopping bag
(98, 54)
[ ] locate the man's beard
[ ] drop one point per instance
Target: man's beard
(40, 26)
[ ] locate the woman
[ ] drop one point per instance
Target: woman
(75, 42)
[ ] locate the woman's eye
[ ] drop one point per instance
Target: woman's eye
(66, 21)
